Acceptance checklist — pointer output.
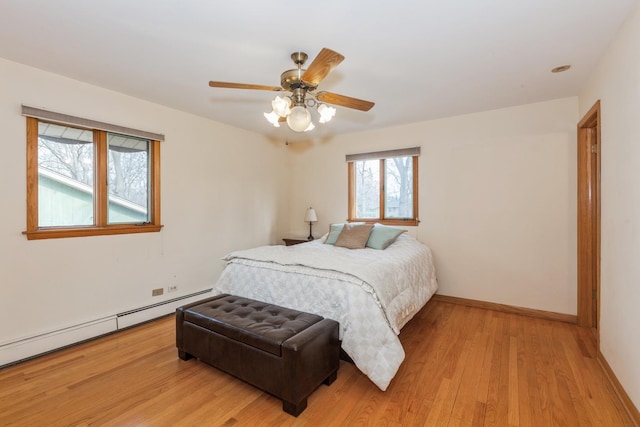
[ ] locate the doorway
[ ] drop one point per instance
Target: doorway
(589, 149)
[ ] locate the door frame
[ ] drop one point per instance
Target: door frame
(588, 238)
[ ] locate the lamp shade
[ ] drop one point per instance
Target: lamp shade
(310, 216)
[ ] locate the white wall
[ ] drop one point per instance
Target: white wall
(497, 199)
(616, 82)
(222, 189)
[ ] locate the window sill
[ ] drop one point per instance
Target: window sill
(400, 222)
(63, 232)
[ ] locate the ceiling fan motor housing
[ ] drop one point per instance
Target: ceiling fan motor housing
(292, 79)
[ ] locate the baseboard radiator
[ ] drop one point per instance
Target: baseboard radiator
(26, 348)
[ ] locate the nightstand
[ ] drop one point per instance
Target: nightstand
(291, 242)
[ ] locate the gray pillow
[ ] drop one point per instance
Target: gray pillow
(354, 236)
(334, 232)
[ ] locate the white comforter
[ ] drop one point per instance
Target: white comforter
(372, 293)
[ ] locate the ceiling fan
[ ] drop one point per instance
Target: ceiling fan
(302, 84)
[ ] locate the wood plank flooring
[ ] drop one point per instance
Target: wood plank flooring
(465, 366)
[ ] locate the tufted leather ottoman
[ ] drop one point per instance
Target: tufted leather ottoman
(284, 352)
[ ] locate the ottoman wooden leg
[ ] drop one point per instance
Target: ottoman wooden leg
(293, 409)
(331, 378)
(184, 355)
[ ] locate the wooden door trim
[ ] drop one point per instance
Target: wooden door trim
(588, 240)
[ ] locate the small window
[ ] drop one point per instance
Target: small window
(383, 187)
(83, 181)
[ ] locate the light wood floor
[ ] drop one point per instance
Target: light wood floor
(464, 366)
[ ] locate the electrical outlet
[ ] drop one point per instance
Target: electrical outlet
(173, 288)
(157, 292)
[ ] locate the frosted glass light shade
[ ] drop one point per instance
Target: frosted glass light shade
(273, 118)
(326, 113)
(281, 106)
(299, 119)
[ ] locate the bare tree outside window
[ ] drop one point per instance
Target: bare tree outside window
(128, 171)
(399, 187)
(368, 189)
(66, 151)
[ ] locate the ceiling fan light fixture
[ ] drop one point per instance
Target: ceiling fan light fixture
(299, 118)
(272, 118)
(326, 113)
(310, 127)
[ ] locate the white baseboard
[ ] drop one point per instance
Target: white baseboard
(26, 348)
(32, 346)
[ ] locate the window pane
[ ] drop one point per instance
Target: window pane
(65, 176)
(398, 181)
(367, 197)
(128, 179)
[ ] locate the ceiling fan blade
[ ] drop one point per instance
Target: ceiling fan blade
(243, 86)
(322, 65)
(344, 101)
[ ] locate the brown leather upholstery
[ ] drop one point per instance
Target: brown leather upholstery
(285, 352)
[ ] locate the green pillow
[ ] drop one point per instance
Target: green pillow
(382, 236)
(334, 232)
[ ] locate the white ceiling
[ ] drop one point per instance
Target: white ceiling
(417, 60)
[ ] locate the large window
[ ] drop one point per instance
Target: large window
(383, 187)
(84, 181)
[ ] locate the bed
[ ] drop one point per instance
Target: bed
(372, 293)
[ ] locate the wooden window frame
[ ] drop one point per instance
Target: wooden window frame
(382, 220)
(100, 226)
